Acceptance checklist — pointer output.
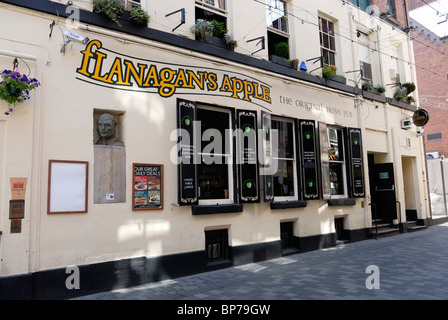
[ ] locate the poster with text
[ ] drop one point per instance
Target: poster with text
(147, 193)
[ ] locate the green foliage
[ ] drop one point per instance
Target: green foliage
(111, 8)
(410, 87)
(219, 29)
(140, 16)
(367, 86)
(203, 28)
(15, 87)
(380, 88)
(230, 41)
(281, 49)
(329, 71)
(400, 94)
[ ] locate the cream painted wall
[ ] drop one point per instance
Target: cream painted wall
(58, 124)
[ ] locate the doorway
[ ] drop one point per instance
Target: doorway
(382, 190)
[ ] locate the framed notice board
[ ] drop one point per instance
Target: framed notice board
(147, 186)
(67, 186)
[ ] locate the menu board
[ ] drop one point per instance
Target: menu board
(147, 186)
(309, 159)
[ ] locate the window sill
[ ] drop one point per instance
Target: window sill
(288, 204)
(341, 202)
(214, 209)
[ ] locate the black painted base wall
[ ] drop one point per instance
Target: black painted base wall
(100, 277)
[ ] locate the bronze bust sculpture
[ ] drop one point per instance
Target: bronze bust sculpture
(106, 126)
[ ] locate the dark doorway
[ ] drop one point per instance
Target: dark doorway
(382, 186)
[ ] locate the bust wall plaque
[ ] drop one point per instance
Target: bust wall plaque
(110, 161)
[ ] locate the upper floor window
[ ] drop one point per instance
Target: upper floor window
(364, 56)
(390, 7)
(362, 4)
(327, 41)
(276, 15)
(217, 4)
(129, 4)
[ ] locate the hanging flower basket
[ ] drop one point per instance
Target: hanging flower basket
(15, 88)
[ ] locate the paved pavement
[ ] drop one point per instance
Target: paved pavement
(411, 266)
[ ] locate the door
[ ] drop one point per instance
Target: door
(383, 191)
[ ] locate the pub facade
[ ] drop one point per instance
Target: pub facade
(148, 153)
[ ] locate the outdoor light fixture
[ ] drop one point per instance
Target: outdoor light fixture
(262, 40)
(182, 19)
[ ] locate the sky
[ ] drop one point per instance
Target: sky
(433, 16)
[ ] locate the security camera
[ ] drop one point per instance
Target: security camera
(71, 36)
(420, 132)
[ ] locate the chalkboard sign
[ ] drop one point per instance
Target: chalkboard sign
(309, 159)
(147, 186)
(247, 144)
(187, 175)
(357, 170)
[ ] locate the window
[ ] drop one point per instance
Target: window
(129, 4)
(277, 23)
(219, 4)
(215, 172)
(336, 159)
(284, 155)
(217, 245)
(390, 7)
(364, 56)
(214, 11)
(362, 4)
(434, 136)
(276, 15)
(327, 41)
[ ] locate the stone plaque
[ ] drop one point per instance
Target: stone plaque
(109, 174)
(16, 209)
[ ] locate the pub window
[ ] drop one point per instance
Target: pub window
(327, 41)
(215, 170)
(217, 245)
(336, 160)
(284, 157)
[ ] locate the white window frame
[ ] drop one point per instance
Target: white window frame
(228, 157)
(329, 49)
(343, 162)
(294, 160)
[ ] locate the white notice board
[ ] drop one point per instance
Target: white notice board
(67, 186)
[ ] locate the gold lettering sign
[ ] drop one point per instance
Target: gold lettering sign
(164, 80)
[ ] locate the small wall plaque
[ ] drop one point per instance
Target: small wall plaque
(16, 209)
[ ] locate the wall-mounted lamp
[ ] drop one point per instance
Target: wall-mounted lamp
(262, 41)
(182, 18)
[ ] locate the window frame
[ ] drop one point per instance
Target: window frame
(294, 160)
(342, 163)
(229, 157)
(330, 36)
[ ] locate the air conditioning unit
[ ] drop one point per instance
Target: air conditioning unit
(432, 155)
(406, 124)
